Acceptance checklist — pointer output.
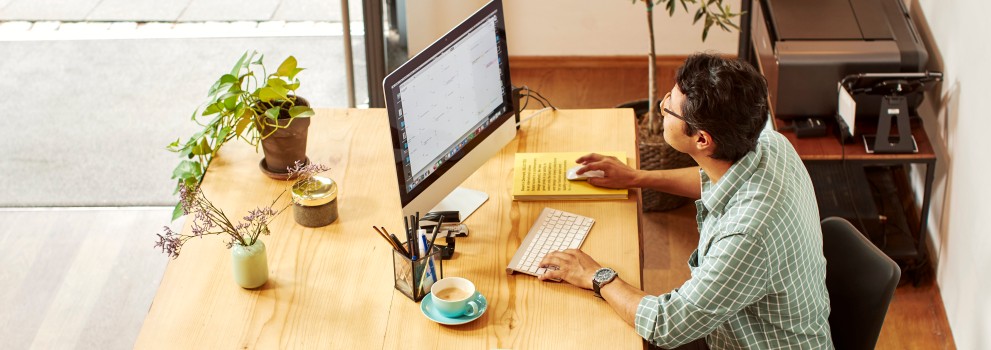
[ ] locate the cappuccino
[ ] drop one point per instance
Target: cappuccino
(452, 294)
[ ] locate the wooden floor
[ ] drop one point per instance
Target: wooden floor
(77, 278)
(916, 318)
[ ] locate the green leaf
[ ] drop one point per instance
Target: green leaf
(177, 211)
(230, 102)
(705, 30)
(242, 123)
(276, 82)
(300, 112)
(294, 72)
(237, 66)
(186, 150)
(222, 135)
(192, 181)
(202, 148)
(214, 88)
(273, 113)
(212, 122)
(187, 169)
(293, 86)
(287, 67)
(282, 91)
(228, 78)
(267, 94)
(226, 87)
(698, 15)
(174, 146)
(213, 108)
(223, 84)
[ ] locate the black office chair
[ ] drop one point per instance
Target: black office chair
(860, 280)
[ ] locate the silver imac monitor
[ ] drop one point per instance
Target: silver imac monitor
(450, 110)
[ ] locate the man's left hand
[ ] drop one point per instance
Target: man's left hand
(573, 266)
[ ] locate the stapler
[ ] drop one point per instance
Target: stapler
(452, 222)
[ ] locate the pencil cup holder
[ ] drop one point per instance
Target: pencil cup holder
(414, 277)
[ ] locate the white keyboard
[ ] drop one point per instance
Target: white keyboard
(554, 230)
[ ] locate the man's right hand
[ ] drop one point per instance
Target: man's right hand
(617, 174)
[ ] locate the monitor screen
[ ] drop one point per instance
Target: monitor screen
(445, 101)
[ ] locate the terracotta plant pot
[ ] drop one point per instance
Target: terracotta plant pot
(286, 145)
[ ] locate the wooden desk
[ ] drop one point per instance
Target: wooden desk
(829, 149)
(332, 287)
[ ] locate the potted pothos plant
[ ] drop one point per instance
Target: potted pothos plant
(252, 104)
(655, 153)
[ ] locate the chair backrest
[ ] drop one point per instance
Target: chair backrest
(860, 279)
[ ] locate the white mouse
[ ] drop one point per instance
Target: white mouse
(572, 173)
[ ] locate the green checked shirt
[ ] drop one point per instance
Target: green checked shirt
(758, 274)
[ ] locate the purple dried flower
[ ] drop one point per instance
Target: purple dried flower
(305, 171)
(209, 220)
(170, 243)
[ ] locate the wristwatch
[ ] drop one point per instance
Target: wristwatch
(601, 278)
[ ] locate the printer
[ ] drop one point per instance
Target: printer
(805, 47)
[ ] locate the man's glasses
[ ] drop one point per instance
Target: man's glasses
(664, 107)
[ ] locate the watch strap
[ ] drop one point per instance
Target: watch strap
(597, 285)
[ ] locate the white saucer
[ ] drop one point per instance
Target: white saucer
(427, 307)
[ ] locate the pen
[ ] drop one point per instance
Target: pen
(406, 224)
(430, 263)
(433, 239)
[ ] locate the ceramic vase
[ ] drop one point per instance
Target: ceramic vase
(250, 264)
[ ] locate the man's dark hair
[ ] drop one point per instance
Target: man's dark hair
(725, 97)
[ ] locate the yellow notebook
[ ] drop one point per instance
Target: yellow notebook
(541, 176)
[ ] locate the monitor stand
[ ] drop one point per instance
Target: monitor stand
(462, 200)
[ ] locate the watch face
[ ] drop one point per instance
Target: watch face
(603, 274)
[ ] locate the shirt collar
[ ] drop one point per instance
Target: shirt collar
(715, 196)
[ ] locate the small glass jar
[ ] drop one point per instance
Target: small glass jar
(315, 201)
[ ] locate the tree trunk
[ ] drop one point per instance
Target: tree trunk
(653, 120)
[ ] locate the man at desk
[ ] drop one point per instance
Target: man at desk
(758, 274)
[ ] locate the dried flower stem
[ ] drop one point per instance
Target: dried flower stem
(209, 220)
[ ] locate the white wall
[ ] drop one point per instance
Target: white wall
(958, 121)
(573, 27)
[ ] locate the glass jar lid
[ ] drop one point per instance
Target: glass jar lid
(316, 190)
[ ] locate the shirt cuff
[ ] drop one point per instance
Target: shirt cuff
(646, 317)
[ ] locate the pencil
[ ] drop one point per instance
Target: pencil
(387, 239)
(383, 236)
(396, 241)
